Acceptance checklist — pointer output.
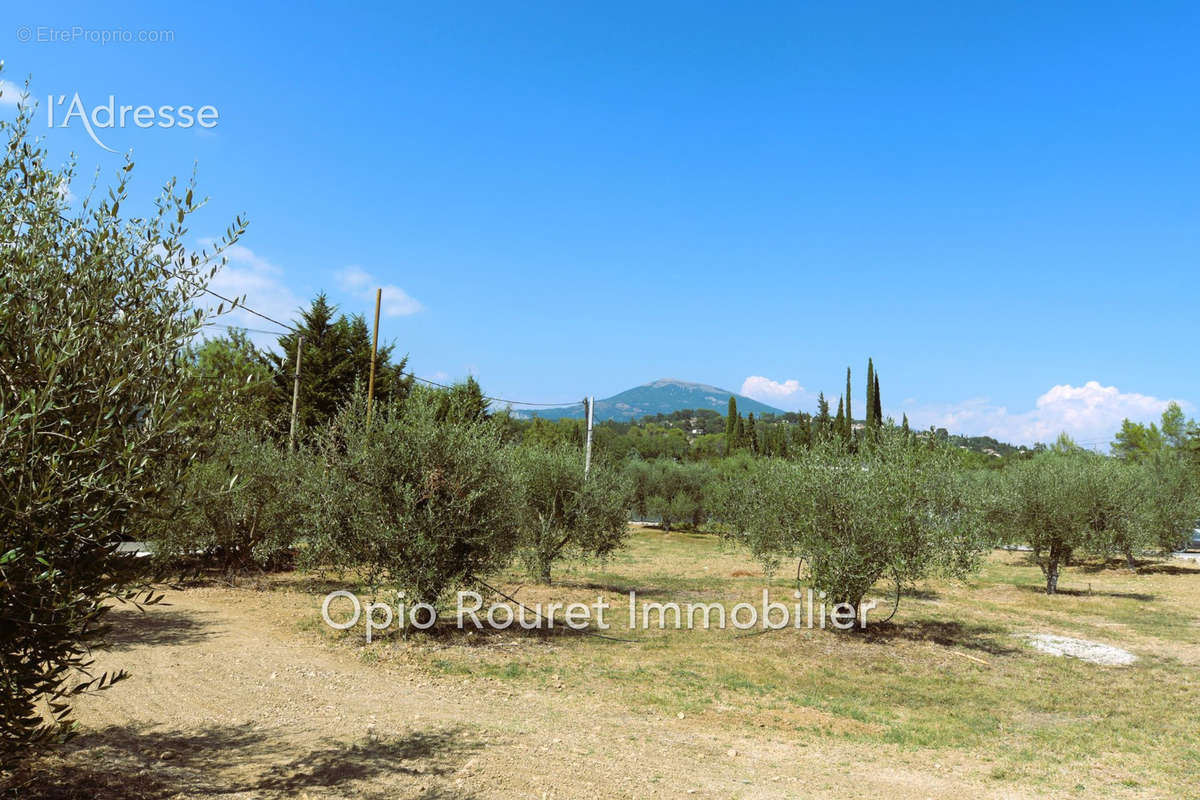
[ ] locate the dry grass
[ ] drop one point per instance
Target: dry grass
(949, 679)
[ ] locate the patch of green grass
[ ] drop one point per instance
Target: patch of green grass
(447, 666)
(949, 675)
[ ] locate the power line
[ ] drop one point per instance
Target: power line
(239, 328)
(486, 397)
(232, 303)
(235, 304)
(414, 376)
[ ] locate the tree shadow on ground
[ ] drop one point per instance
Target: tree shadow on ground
(918, 593)
(155, 626)
(618, 589)
(143, 763)
(983, 638)
(448, 634)
(1166, 568)
(1139, 596)
(1118, 565)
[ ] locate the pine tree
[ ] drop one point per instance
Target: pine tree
(870, 393)
(877, 413)
(778, 440)
(731, 419)
(335, 356)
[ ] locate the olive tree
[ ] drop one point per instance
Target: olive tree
(888, 510)
(673, 492)
(413, 501)
(565, 514)
(1068, 503)
(1046, 502)
(1172, 506)
(95, 312)
(241, 505)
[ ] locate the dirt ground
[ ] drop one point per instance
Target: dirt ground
(228, 700)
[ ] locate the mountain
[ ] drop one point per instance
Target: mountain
(663, 396)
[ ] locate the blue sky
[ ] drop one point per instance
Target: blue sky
(997, 204)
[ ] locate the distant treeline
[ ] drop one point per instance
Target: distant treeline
(696, 435)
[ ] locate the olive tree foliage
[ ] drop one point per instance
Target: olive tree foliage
(1070, 503)
(1172, 491)
(238, 506)
(1046, 502)
(888, 510)
(95, 310)
(233, 383)
(241, 506)
(415, 502)
(1137, 508)
(675, 493)
(566, 514)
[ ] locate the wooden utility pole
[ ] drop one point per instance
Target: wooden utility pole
(374, 348)
(587, 452)
(295, 394)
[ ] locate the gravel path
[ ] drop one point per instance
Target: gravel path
(227, 700)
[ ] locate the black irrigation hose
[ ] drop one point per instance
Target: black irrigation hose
(895, 576)
(896, 605)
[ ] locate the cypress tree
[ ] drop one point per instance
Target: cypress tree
(871, 421)
(839, 422)
(731, 425)
(751, 434)
(877, 414)
(849, 406)
(804, 429)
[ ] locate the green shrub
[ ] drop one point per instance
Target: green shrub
(669, 490)
(241, 506)
(1071, 502)
(890, 510)
(416, 503)
(564, 514)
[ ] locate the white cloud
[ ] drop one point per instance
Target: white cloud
(261, 283)
(395, 301)
(1089, 414)
(788, 394)
(10, 93)
(64, 192)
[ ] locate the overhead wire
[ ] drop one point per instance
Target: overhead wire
(236, 304)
